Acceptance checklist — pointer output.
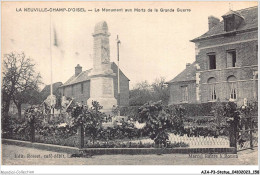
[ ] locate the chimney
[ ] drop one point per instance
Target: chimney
(212, 21)
(78, 70)
(187, 65)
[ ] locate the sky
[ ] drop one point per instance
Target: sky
(153, 44)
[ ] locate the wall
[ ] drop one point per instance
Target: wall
(124, 86)
(245, 45)
(176, 94)
(77, 95)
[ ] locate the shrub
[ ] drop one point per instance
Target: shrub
(130, 111)
(160, 120)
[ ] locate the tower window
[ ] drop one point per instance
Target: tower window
(212, 61)
(231, 58)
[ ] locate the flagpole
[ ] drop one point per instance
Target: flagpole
(51, 65)
(118, 75)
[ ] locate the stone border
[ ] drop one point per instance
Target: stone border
(136, 151)
(43, 146)
(113, 151)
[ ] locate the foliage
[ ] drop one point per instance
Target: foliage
(94, 120)
(58, 101)
(157, 121)
(90, 118)
(125, 130)
(160, 121)
(45, 92)
(218, 112)
(19, 79)
(247, 120)
(33, 121)
(8, 125)
(144, 92)
(177, 116)
(115, 110)
(202, 109)
(131, 112)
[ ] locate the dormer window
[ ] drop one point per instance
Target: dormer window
(229, 24)
(232, 20)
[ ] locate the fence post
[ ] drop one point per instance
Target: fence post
(251, 131)
(32, 130)
(233, 135)
(80, 136)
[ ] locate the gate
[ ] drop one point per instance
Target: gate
(247, 130)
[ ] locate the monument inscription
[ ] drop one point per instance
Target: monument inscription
(107, 87)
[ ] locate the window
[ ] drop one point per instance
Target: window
(213, 95)
(82, 88)
(233, 92)
(232, 85)
(212, 89)
(63, 91)
(184, 92)
(229, 24)
(231, 58)
(72, 90)
(212, 61)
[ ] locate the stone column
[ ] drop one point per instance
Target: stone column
(101, 76)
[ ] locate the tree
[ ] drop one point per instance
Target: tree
(140, 94)
(144, 92)
(29, 95)
(19, 77)
(160, 90)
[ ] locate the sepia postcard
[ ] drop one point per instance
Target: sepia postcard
(129, 83)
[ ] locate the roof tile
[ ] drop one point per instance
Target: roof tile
(187, 74)
(250, 21)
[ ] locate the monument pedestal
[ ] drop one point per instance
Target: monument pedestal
(102, 91)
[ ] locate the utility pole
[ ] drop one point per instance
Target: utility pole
(118, 76)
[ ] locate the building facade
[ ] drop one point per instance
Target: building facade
(78, 86)
(101, 82)
(226, 65)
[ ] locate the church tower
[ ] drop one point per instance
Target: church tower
(101, 76)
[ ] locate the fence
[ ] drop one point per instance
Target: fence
(242, 134)
(247, 133)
